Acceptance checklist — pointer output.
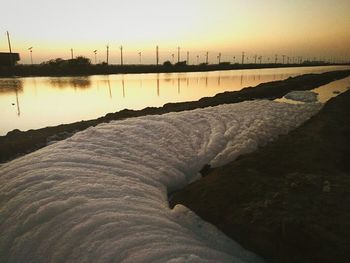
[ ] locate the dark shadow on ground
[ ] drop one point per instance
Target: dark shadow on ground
(288, 201)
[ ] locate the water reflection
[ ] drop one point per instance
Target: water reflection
(39, 102)
(158, 87)
(123, 88)
(11, 85)
(109, 87)
(70, 82)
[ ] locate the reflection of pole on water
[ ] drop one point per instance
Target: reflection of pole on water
(219, 80)
(158, 85)
(178, 85)
(17, 101)
(206, 81)
(241, 79)
(123, 88)
(109, 88)
(35, 88)
(187, 81)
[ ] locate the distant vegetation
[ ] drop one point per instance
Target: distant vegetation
(83, 66)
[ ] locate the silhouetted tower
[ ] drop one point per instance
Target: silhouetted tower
(31, 55)
(243, 54)
(9, 43)
(276, 57)
(107, 54)
(188, 58)
(207, 58)
(157, 55)
(95, 52)
(140, 55)
(283, 56)
(178, 54)
(121, 55)
(71, 53)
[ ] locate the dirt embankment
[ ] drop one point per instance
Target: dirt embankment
(288, 201)
(17, 143)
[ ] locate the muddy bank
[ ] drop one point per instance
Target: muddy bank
(17, 143)
(81, 67)
(288, 201)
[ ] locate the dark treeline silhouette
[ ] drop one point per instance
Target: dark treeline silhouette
(83, 66)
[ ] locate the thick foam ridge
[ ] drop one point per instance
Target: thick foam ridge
(101, 195)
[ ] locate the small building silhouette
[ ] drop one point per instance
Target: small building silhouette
(8, 59)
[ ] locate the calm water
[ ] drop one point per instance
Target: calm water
(30, 103)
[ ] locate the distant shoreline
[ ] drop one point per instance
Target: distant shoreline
(17, 143)
(46, 70)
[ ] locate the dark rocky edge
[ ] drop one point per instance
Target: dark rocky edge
(288, 201)
(17, 143)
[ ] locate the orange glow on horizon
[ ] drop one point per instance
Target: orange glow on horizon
(305, 28)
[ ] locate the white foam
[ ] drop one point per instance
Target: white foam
(101, 195)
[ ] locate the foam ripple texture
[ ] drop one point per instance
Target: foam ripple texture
(102, 195)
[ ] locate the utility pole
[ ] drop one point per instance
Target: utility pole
(234, 58)
(207, 58)
(255, 57)
(71, 53)
(197, 60)
(31, 55)
(283, 56)
(188, 57)
(172, 56)
(260, 58)
(157, 55)
(107, 53)
(276, 57)
(243, 54)
(178, 54)
(121, 55)
(95, 52)
(219, 58)
(140, 54)
(9, 42)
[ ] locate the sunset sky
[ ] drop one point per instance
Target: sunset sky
(308, 28)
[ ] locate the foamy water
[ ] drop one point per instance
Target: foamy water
(101, 195)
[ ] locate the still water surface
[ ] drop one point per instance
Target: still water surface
(31, 103)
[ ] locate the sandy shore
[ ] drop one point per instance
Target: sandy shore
(17, 143)
(288, 201)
